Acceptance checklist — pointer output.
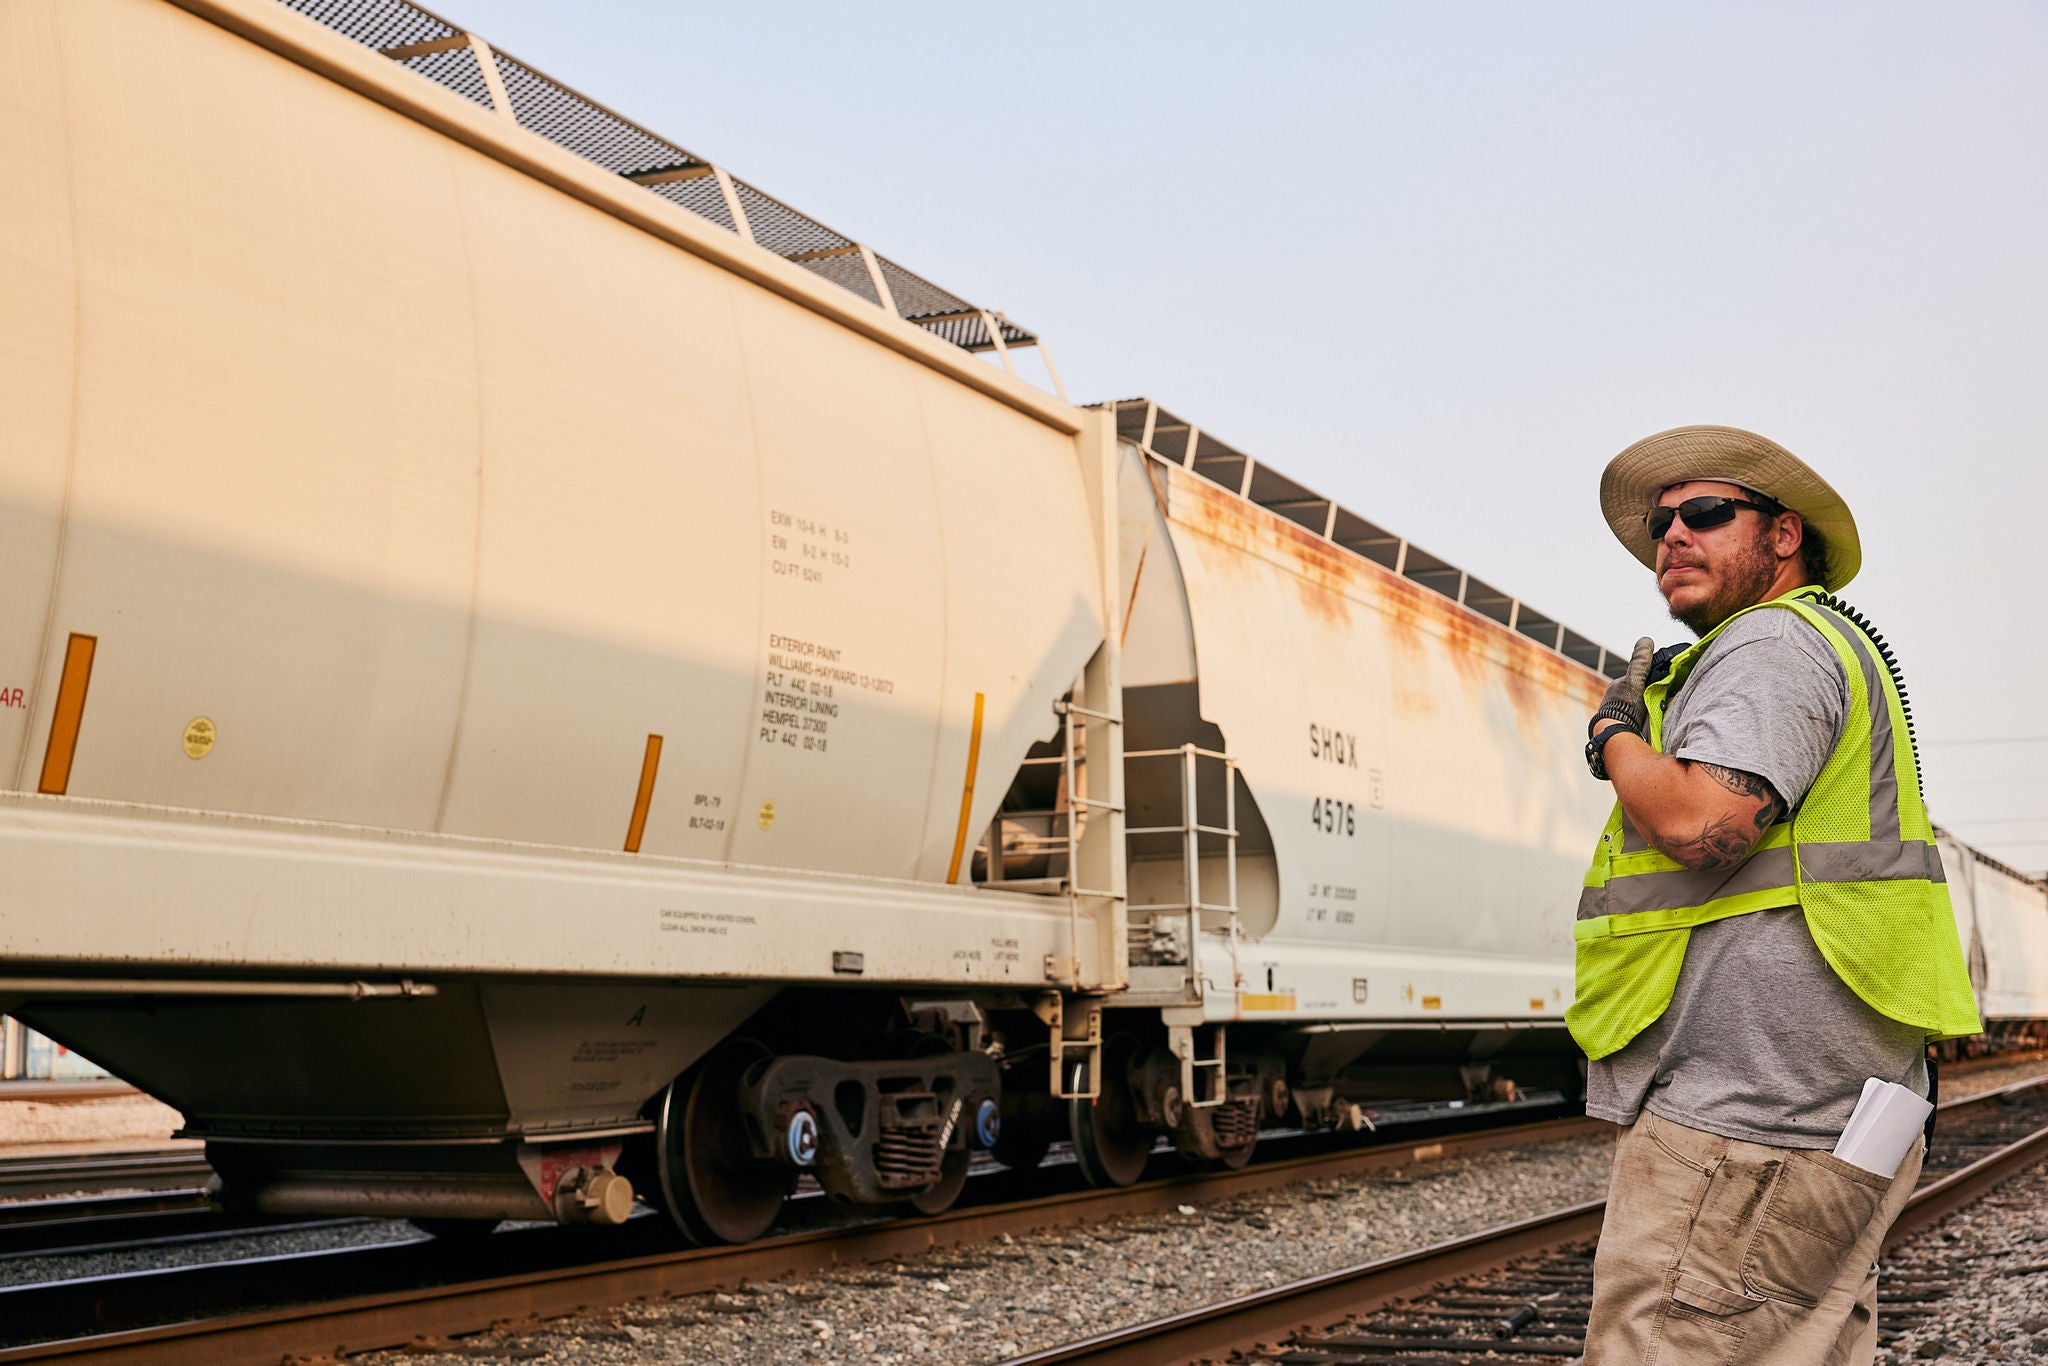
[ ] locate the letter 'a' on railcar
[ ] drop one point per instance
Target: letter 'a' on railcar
(512, 630)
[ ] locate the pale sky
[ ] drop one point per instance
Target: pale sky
(1440, 262)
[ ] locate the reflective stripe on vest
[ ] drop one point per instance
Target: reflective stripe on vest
(1769, 867)
(1875, 904)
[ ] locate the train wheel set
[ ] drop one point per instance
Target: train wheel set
(732, 1136)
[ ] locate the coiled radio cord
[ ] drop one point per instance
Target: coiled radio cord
(1884, 652)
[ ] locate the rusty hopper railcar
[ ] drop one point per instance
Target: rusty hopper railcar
(1357, 816)
(549, 676)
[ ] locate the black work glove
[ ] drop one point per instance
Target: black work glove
(1624, 699)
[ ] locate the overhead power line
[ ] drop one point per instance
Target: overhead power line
(1994, 740)
(1944, 783)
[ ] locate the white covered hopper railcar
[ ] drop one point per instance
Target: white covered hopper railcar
(484, 629)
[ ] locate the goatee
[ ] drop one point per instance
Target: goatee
(1744, 582)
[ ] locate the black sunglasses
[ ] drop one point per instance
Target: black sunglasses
(1701, 513)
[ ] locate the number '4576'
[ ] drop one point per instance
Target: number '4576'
(1333, 817)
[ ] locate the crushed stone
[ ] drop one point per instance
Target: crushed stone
(992, 1301)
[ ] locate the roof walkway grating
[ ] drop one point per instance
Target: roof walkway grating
(453, 58)
(1177, 441)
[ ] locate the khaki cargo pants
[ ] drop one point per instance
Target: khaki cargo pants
(1716, 1250)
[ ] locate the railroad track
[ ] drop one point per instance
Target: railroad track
(128, 1195)
(151, 1169)
(152, 1197)
(1520, 1292)
(358, 1299)
(55, 1201)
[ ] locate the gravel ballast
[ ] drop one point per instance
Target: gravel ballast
(989, 1302)
(1991, 1260)
(322, 1236)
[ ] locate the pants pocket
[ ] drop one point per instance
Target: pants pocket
(1818, 1207)
(1702, 1324)
(1700, 1151)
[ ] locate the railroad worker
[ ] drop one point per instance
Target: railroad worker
(1763, 928)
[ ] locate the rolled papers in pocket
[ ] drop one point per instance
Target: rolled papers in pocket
(1888, 1118)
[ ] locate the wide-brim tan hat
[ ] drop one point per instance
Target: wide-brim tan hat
(1728, 455)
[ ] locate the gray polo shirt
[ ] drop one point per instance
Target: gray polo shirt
(1762, 1041)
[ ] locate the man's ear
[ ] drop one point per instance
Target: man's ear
(1791, 534)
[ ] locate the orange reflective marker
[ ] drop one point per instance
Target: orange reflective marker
(645, 796)
(967, 790)
(70, 711)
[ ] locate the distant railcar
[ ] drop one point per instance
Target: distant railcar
(2002, 920)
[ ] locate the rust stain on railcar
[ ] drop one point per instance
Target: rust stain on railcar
(1324, 574)
(1409, 645)
(1484, 653)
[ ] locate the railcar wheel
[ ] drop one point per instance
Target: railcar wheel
(1029, 1124)
(940, 1195)
(1232, 1120)
(1110, 1144)
(1234, 1159)
(714, 1189)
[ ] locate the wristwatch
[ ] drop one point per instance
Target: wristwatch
(1596, 747)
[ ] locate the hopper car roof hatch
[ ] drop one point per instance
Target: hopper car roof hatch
(1180, 442)
(459, 60)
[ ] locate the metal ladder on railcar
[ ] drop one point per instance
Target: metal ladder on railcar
(1169, 933)
(1064, 823)
(1073, 1038)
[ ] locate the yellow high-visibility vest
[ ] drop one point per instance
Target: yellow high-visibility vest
(1858, 857)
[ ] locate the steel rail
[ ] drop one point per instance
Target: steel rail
(147, 1169)
(1246, 1322)
(1249, 1322)
(1942, 1197)
(388, 1319)
(148, 1230)
(31, 1219)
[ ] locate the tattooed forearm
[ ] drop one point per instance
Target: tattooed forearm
(1734, 779)
(1744, 784)
(1720, 843)
(1725, 838)
(1705, 816)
